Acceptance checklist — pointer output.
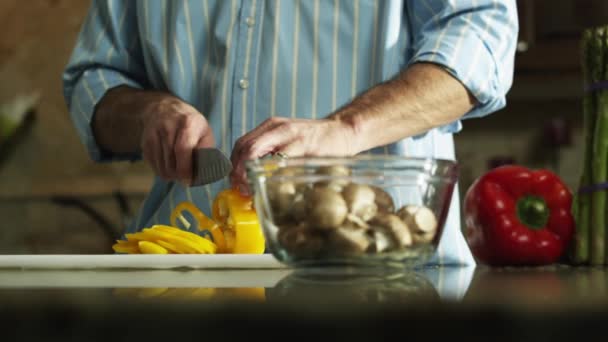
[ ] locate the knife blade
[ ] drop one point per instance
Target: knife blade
(209, 165)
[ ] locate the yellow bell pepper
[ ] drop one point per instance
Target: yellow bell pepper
(235, 228)
(239, 223)
(203, 223)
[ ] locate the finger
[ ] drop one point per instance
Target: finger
(268, 142)
(207, 139)
(245, 147)
(246, 139)
(187, 139)
(169, 156)
(160, 159)
(293, 150)
(148, 148)
(257, 148)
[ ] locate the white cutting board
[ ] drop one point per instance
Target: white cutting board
(141, 261)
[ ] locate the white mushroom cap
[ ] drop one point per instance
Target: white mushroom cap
(326, 208)
(339, 172)
(419, 218)
(281, 195)
(382, 241)
(354, 221)
(396, 228)
(384, 201)
(344, 241)
(360, 199)
(300, 241)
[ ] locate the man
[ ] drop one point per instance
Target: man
(156, 79)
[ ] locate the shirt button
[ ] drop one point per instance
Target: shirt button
(250, 21)
(243, 83)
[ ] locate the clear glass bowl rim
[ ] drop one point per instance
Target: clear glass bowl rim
(257, 167)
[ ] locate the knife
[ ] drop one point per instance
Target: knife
(209, 165)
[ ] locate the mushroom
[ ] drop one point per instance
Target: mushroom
(381, 241)
(281, 196)
(421, 220)
(346, 241)
(394, 227)
(298, 208)
(338, 171)
(281, 191)
(384, 201)
(360, 200)
(355, 222)
(326, 208)
(301, 241)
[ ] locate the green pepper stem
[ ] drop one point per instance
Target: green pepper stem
(533, 212)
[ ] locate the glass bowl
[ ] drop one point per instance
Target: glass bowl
(358, 211)
(335, 287)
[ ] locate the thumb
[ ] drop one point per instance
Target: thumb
(206, 140)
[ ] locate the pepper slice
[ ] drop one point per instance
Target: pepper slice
(147, 247)
(128, 247)
(203, 223)
(239, 222)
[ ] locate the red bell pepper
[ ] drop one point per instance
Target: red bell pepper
(517, 216)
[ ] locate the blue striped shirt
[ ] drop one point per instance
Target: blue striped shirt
(241, 61)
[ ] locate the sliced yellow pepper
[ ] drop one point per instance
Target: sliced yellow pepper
(187, 235)
(169, 246)
(240, 224)
(165, 239)
(203, 223)
(129, 247)
(147, 247)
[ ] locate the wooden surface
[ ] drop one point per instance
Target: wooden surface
(83, 186)
(36, 41)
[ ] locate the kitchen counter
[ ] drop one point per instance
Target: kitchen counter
(517, 303)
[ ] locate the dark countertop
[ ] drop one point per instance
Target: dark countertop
(547, 303)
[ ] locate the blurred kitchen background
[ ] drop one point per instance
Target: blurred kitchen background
(53, 199)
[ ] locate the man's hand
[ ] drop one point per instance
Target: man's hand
(172, 129)
(161, 126)
(292, 137)
(420, 98)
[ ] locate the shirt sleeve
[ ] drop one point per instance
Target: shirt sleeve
(474, 40)
(105, 56)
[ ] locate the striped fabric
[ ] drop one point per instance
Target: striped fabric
(242, 61)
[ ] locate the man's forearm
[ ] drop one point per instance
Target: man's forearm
(119, 117)
(420, 98)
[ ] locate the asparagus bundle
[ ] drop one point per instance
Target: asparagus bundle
(590, 206)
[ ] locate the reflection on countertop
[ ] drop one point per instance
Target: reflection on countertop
(369, 303)
(540, 287)
(348, 284)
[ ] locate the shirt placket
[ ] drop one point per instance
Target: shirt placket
(244, 62)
